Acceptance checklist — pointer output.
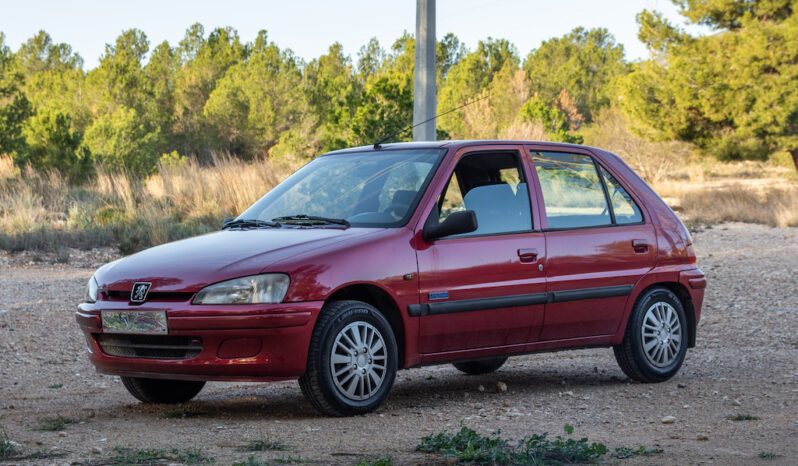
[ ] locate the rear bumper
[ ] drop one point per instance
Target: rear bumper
(694, 282)
(244, 343)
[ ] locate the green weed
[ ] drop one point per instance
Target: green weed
(132, 456)
(469, 447)
(290, 460)
(768, 455)
(265, 445)
(7, 447)
(385, 461)
(54, 424)
(251, 461)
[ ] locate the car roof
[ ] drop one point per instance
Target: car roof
(450, 144)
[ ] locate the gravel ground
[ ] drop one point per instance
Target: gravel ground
(744, 364)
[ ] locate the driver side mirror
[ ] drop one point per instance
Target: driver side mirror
(456, 223)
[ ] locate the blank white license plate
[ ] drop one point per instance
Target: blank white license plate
(146, 322)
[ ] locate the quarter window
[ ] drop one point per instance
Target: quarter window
(572, 191)
(624, 208)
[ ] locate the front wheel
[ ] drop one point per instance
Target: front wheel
(352, 360)
(162, 390)
(655, 342)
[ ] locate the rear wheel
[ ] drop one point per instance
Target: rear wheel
(162, 390)
(352, 360)
(482, 366)
(655, 343)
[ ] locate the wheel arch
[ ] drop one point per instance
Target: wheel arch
(383, 302)
(687, 303)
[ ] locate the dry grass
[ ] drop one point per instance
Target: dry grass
(41, 211)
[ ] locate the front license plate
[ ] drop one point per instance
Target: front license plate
(148, 322)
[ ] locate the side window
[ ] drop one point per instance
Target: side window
(493, 186)
(624, 207)
(572, 190)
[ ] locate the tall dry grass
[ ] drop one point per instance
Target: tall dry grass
(184, 198)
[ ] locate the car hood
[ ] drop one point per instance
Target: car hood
(190, 264)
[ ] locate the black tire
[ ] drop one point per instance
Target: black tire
(631, 354)
(162, 390)
(481, 366)
(328, 392)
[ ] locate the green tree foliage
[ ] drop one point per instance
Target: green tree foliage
(733, 14)
(553, 120)
(203, 62)
(733, 93)
(583, 63)
(54, 144)
(119, 80)
(256, 100)
(14, 106)
(124, 140)
(470, 77)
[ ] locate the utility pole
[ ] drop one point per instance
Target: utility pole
(425, 95)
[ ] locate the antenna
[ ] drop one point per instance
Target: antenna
(411, 126)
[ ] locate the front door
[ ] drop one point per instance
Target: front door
(598, 244)
(486, 288)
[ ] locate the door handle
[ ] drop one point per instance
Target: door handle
(640, 245)
(528, 255)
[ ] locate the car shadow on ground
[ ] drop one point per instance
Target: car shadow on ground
(424, 389)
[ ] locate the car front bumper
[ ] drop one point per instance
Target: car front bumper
(233, 343)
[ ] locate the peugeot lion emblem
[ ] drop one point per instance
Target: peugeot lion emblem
(139, 292)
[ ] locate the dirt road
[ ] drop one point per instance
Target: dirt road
(745, 366)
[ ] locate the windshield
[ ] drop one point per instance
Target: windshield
(367, 189)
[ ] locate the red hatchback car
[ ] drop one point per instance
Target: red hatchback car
(373, 259)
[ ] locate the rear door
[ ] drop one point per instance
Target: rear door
(598, 243)
(486, 288)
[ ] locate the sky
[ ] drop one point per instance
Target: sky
(308, 27)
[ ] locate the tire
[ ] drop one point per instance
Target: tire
(338, 381)
(481, 366)
(162, 390)
(650, 351)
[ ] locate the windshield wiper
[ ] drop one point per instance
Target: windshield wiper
(302, 219)
(248, 223)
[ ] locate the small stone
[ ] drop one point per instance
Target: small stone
(501, 387)
(681, 385)
(668, 420)
(703, 438)
(737, 403)
(62, 434)
(506, 404)
(481, 388)
(568, 393)
(675, 437)
(97, 451)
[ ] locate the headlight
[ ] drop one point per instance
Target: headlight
(268, 288)
(92, 288)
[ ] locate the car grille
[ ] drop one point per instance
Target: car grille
(149, 346)
(115, 295)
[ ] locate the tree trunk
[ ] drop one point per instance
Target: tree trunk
(795, 158)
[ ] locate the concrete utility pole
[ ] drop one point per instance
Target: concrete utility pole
(425, 95)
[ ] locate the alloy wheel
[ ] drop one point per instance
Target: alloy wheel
(358, 361)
